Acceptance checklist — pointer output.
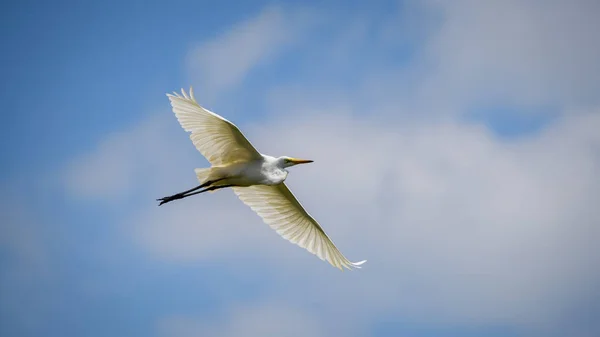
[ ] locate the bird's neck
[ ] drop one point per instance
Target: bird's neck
(276, 162)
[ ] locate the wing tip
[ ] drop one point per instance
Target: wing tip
(183, 94)
(351, 265)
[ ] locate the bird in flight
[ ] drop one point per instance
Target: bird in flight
(257, 179)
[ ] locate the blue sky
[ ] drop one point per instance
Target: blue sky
(455, 145)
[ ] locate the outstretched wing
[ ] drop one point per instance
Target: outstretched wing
(219, 140)
(278, 207)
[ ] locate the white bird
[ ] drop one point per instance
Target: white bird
(257, 179)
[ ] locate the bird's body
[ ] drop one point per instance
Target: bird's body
(257, 179)
(266, 170)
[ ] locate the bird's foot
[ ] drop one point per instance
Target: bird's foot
(169, 198)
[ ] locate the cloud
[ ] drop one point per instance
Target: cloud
(223, 62)
(123, 160)
(129, 161)
(451, 202)
(460, 227)
(184, 232)
(514, 52)
(433, 59)
(271, 319)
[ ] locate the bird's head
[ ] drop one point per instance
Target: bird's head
(289, 161)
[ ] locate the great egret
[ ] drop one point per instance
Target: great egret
(257, 179)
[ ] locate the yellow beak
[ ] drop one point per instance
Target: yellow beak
(300, 161)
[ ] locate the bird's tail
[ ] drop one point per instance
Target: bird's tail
(203, 174)
(206, 174)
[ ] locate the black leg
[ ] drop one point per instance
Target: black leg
(208, 189)
(208, 183)
(187, 194)
(183, 194)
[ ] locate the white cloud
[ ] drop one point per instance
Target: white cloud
(519, 52)
(449, 202)
(133, 160)
(271, 319)
(439, 58)
(458, 226)
(223, 62)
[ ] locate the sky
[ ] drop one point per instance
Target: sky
(456, 147)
